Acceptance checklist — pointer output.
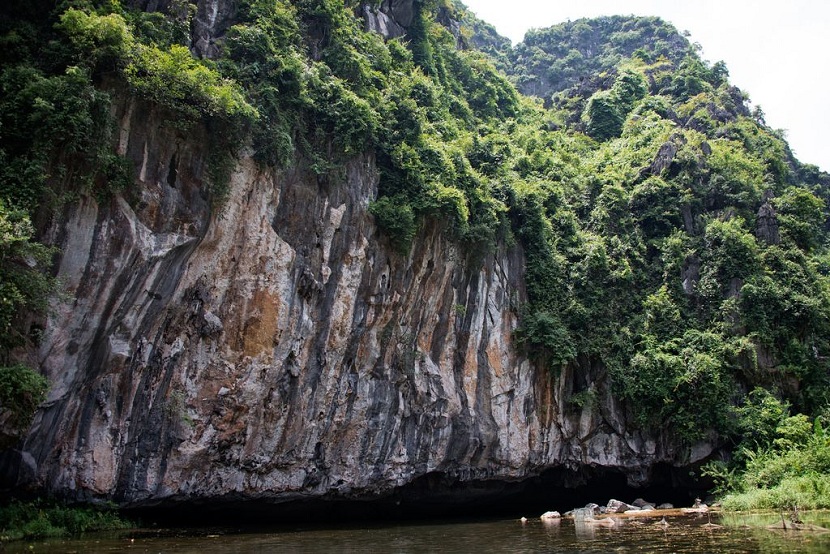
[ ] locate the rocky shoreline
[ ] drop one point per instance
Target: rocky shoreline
(618, 508)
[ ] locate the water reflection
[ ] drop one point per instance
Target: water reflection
(680, 534)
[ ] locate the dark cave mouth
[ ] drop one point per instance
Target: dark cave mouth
(434, 496)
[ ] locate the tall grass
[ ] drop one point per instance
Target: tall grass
(41, 519)
(783, 476)
(806, 492)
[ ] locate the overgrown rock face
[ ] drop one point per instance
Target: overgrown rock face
(277, 347)
(209, 20)
(150, 5)
(766, 228)
(212, 19)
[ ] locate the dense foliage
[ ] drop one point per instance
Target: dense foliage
(23, 287)
(671, 239)
(782, 461)
(647, 252)
(556, 58)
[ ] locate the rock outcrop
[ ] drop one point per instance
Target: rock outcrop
(766, 227)
(208, 20)
(275, 346)
(391, 18)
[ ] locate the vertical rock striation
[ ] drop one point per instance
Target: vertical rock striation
(277, 348)
(390, 18)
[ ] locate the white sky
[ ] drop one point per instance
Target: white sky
(776, 51)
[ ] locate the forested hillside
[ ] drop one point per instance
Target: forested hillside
(554, 59)
(672, 241)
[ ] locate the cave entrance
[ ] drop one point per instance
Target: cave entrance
(437, 496)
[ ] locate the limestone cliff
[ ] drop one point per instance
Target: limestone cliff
(276, 347)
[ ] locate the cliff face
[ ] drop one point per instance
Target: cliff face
(276, 347)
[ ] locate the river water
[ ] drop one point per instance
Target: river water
(682, 534)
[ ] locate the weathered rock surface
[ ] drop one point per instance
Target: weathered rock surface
(766, 228)
(212, 19)
(390, 19)
(277, 348)
(393, 18)
(208, 20)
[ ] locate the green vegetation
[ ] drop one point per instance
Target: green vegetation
(41, 519)
(557, 58)
(23, 288)
(606, 111)
(782, 461)
(656, 267)
(21, 391)
(632, 184)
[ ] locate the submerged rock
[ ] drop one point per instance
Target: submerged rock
(619, 507)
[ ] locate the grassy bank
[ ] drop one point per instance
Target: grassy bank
(41, 519)
(783, 462)
(806, 492)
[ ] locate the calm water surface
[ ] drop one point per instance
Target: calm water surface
(684, 534)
